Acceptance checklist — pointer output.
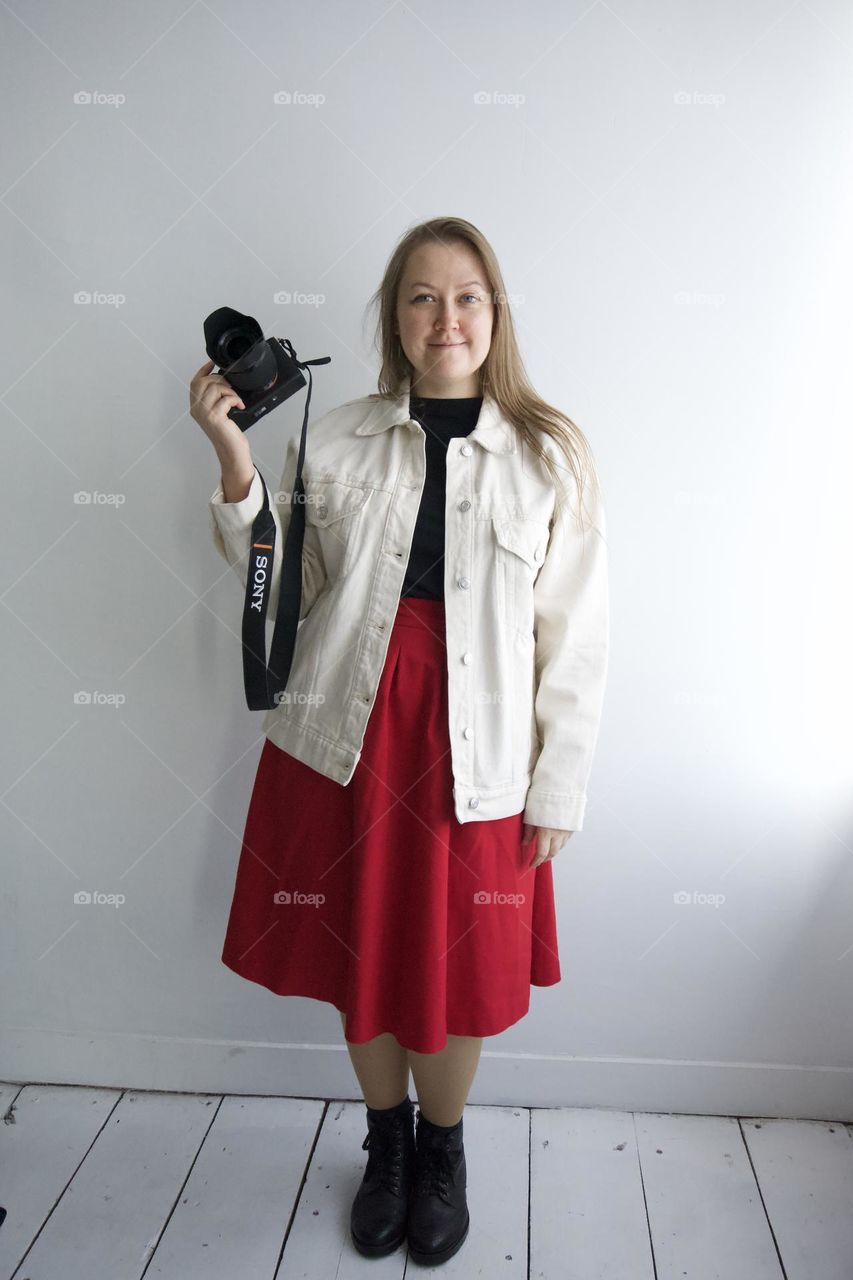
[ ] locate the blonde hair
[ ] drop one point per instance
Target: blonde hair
(502, 374)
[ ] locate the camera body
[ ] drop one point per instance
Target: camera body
(263, 371)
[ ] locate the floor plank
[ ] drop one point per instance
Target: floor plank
(587, 1218)
(805, 1171)
(47, 1132)
(233, 1214)
(109, 1220)
(705, 1213)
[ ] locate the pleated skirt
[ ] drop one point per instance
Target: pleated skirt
(372, 896)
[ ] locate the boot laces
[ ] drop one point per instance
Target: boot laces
(385, 1148)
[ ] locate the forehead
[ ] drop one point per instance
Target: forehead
(456, 263)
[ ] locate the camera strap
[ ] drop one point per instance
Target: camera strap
(265, 685)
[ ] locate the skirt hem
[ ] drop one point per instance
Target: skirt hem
(326, 999)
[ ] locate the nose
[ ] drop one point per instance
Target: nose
(447, 318)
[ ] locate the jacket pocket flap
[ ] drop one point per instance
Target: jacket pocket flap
(525, 538)
(331, 500)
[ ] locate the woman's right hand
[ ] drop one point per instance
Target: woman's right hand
(211, 399)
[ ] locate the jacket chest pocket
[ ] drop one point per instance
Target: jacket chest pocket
(519, 554)
(334, 511)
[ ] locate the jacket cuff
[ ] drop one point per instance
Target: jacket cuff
(560, 810)
(237, 517)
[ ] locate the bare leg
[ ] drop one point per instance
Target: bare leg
(444, 1079)
(382, 1067)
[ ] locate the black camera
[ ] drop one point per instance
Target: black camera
(263, 371)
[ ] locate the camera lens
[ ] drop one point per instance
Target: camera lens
(236, 343)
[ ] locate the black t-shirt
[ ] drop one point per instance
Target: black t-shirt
(441, 421)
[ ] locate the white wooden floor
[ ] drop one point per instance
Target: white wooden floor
(101, 1184)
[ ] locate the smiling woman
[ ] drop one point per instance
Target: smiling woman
(446, 689)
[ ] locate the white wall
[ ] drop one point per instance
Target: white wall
(684, 278)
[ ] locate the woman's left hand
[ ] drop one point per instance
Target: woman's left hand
(549, 842)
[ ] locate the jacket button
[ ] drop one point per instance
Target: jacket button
(467, 658)
(464, 504)
(468, 733)
(466, 450)
(473, 802)
(463, 583)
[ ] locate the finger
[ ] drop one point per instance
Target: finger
(216, 391)
(232, 401)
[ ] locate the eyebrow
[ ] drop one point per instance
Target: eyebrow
(424, 284)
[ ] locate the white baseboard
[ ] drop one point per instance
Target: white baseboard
(504, 1078)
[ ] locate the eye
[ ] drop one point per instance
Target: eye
(475, 296)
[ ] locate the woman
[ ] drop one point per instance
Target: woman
(423, 921)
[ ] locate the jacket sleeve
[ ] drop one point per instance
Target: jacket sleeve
(571, 629)
(231, 527)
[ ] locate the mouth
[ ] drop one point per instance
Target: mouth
(443, 345)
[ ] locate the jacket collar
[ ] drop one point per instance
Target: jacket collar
(492, 431)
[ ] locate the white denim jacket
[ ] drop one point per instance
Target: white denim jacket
(525, 594)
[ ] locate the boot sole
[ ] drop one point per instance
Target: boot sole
(433, 1259)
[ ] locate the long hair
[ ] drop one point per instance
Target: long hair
(502, 374)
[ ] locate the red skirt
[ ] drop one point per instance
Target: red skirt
(372, 896)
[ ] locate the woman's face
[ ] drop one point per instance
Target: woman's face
(444, 318)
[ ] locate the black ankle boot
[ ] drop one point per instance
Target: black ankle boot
(378, 1217)
(438, 1220)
